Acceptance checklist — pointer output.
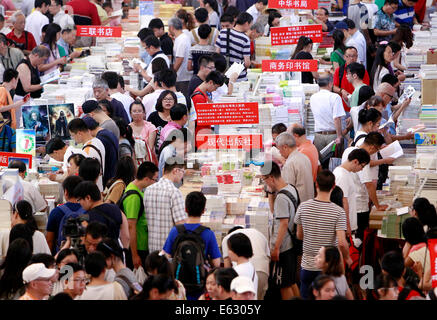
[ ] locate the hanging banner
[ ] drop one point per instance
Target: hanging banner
(290, 35)
(229, 141)
(26, 141)
(6, 157)
(98, 31)
(146, 13)
(289, 65)
(432, 247)
(293, 4)
(209, 114)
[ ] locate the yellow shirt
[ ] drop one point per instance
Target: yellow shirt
(102, 14)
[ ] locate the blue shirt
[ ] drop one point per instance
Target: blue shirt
(384, 22)
(211, 248)
(404, 14)
(110, 142)
(55, 218)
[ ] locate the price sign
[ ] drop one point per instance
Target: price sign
(289, 65)
(293, 4)
(98, 31)
(290, 35)
(229, 141)
(209, 114)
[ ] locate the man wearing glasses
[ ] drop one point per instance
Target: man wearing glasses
(74, 286)
(38, 281)
(385, 26)
(206, 65)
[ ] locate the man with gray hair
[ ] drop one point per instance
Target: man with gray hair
(297, 169)
(256, 30)
(101, 92)
(23, 40)
(181, 51)
(327, 110)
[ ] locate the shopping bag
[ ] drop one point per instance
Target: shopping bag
(140, 275)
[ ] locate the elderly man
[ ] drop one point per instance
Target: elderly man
(181, 50)
(256, 30)
(297, 169)
(101, 92)
(23, 40)
(39, 282)
(327, 110)
(59, 15)
(68, 40)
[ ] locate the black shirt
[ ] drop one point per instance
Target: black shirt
(167, 45)
(159, 123)
(110, 142)
(119, 110)
(194, 83)
(34, 79)
(108, 214)
(307, 77)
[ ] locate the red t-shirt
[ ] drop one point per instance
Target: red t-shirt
(413, 293)
(346, 85)
(420, 9)
(31, 43)
(87, 9)
(199, 96)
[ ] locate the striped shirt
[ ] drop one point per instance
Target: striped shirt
(164, 206)
(404, 14)
(239, 47)
(320, 221)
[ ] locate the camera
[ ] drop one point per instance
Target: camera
(73, 228)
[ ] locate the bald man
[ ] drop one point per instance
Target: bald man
(306, 147)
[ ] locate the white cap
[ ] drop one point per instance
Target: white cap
(242, 284)
(37, 271)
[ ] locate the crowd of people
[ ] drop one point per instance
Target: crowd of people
(125, 231)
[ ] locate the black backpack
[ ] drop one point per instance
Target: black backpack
(358, 139)
(297, 244)
(127, 194)
(189, 258)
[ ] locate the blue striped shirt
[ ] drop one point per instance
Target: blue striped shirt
(239, 47)
(404, 14)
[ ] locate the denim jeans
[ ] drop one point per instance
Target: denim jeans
(306, 278)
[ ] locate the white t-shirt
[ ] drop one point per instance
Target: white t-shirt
(248, 270)
(371, 9)
(253, 12)
(110, 291)
(181, 49)
(354, 115)
(126, 100)
(63, 20)
(39, 243)
(347, 182)
(159, 55)
(260, 246)
(326, 106)
(33, 196)
(70, 150)
(90, 152)
(34, 23)
(358, 41)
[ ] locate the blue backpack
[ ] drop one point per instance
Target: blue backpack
(68, 213)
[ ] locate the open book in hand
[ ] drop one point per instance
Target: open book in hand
(52, 76)
(236, 67)
(393, 150)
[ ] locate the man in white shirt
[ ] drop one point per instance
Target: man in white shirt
(58, 150)
(356, 40)
(59, 16)
(256, 9)
(92, 147)
(30, 192)
(37, 19)
(260, 258)
(116, 90)
(349, 184)
(181, 50)
(327, 110)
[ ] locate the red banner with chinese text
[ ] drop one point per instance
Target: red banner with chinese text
(290, 35)
(4, 158)
(229, 141)
(293, 4)
(289, 65)
(98, 31)
(209, 114)
(432, 247)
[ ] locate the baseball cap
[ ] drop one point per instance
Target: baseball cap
(90, 122)
(89, 106)
(341, 25)
(37, 271)
(242, 284)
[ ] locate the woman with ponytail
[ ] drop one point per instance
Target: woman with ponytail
(23, 222)
(213, 12)
(425, 212)
(337, 56)
(187, 19)
(369, 120)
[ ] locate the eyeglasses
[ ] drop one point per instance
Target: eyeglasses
(137, 112)
(168, 99)
(265, 178)
(351, 56)
(211, 68)
(391, 97)
(80, 280)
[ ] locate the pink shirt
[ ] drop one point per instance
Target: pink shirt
(147, 130)
(166, 130)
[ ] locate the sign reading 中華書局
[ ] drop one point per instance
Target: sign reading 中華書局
(293, 4)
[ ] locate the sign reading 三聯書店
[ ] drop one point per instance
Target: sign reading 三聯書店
(98, 31)
(289, 65)
(293, 4)
(229, 141)
(290, 35)
(210, 114)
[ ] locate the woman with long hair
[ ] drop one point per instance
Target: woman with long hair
(124, 174)
(187, 19)
(213, 12)
(385, 55)
(303, 52)
(425, 212)
(322, 288)
(55, 59)
(145, 133)
(11, 280)
(369, 119)
(403, 37)
(337, 56)
(330, 262)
